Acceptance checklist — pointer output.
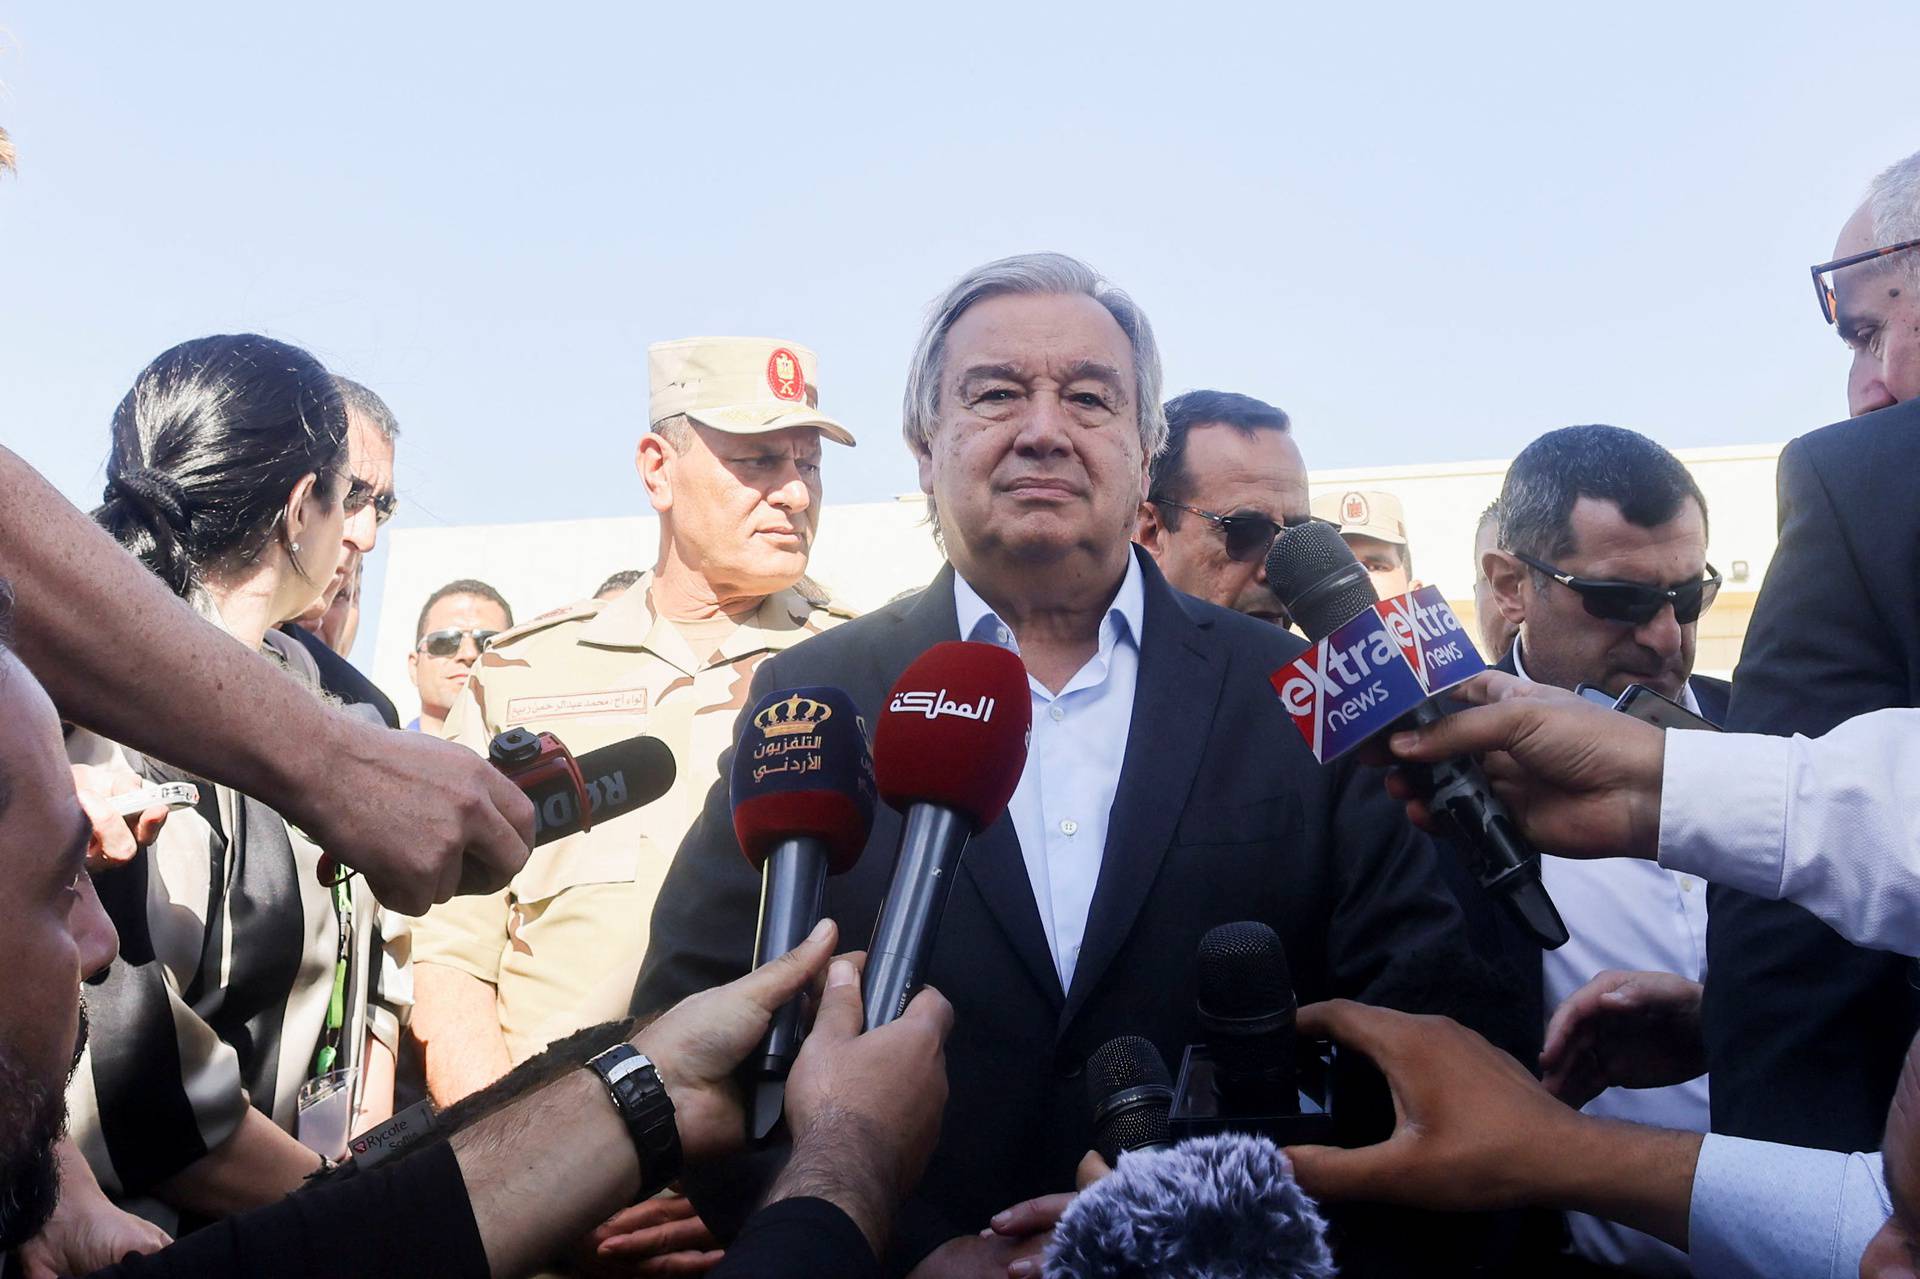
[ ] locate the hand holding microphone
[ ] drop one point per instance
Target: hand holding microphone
(1313, 572)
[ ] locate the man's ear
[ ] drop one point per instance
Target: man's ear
(1507, 576)
(413, 667)
(1150, 529)
(653, 460)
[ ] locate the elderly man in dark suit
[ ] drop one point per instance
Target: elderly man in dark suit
(1165, 790)
(1806, 1033)
(1601, 563)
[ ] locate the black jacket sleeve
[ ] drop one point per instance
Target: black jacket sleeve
(799, 1239)
(1805, 1033)
(410, 1220)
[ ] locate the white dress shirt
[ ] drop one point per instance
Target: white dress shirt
(1627, 913)
(1831, 824)
(1065, 795)
(1780, 1212)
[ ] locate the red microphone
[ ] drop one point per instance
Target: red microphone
(947, 753)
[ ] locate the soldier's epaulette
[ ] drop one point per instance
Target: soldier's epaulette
(577, 611)
(816, 597)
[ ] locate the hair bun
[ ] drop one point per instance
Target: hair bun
(152, 491)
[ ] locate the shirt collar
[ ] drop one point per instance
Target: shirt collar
(780, 621)
(1687, 699)
(1125, 616)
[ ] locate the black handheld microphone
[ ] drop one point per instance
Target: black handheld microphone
(1246, 1010)
(570, 794)
(1314, 574)
(948, 752)
(802, 790)
(1251, 1075)
(1129, 1091)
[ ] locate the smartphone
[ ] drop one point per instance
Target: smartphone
(172, 795)
(1660, 711)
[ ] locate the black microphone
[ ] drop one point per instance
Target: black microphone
(1313, 572)
(1129, 1091)
(947, 752)
(802, 790)
(570, 794)
(1225, 1205)
(1246, 1010)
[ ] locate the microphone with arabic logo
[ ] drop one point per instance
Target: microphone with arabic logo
(948, 751)
(802, 790)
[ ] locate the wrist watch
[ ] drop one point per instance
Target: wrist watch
(634, 1085)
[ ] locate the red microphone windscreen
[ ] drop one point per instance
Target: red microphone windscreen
(802, 770)
(954, 731)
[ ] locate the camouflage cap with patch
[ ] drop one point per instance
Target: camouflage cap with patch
(1364, 513)
(744, 386)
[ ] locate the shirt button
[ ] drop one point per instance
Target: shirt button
(1686, 885)
(1069, 826)
(1056, 714)
(1002, 634)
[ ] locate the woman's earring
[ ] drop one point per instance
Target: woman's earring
(294, 547)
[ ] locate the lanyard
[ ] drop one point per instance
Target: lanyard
(331, 1045)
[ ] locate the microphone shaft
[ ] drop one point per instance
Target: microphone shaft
(791, 894)
(931, 842)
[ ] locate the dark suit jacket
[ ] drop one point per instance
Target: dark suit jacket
(1503, 943)
(344, 680)
(1805, 1033)
(1221, 814)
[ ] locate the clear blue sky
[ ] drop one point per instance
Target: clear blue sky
(1429, 232)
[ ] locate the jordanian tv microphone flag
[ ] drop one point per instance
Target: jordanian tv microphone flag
(1374, 669)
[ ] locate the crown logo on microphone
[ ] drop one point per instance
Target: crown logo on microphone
(795, 715)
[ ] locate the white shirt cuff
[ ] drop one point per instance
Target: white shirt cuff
(1765, 1210)
(1723, 808)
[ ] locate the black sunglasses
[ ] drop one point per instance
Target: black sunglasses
(1248, 537)
(1635, 602)
(445, 643)
(360, 494)
(1823, 285)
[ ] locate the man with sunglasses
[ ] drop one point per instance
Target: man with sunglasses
(1806, 1033)
(455, 624)
(369, 503)
(1602, 565)
(1229, 478)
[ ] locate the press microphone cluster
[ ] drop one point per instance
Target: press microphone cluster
(1369, 673)
(947, 753)
(802, 789)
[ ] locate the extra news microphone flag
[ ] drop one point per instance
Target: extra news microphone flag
(1377, 663)
(948, 751)
(803, 793)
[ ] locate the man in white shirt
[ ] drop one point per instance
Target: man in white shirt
(1597, 524)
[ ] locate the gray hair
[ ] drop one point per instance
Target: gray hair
(367, 406)
(1034, 273)
(1894, 197)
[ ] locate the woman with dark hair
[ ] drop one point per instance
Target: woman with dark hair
(242, 974)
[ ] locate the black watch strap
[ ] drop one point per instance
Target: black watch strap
(642, 1101)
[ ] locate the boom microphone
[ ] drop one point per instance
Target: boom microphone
(1129, 1091)
(803, 790)
(948, 752)
(1225, 1206)
(1313, 572)
(569, 795)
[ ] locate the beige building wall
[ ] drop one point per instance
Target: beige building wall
(867, 553)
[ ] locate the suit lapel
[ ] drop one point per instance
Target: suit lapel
(993, 860)
(1174, 702)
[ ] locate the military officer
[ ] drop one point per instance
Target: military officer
(731, 463)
